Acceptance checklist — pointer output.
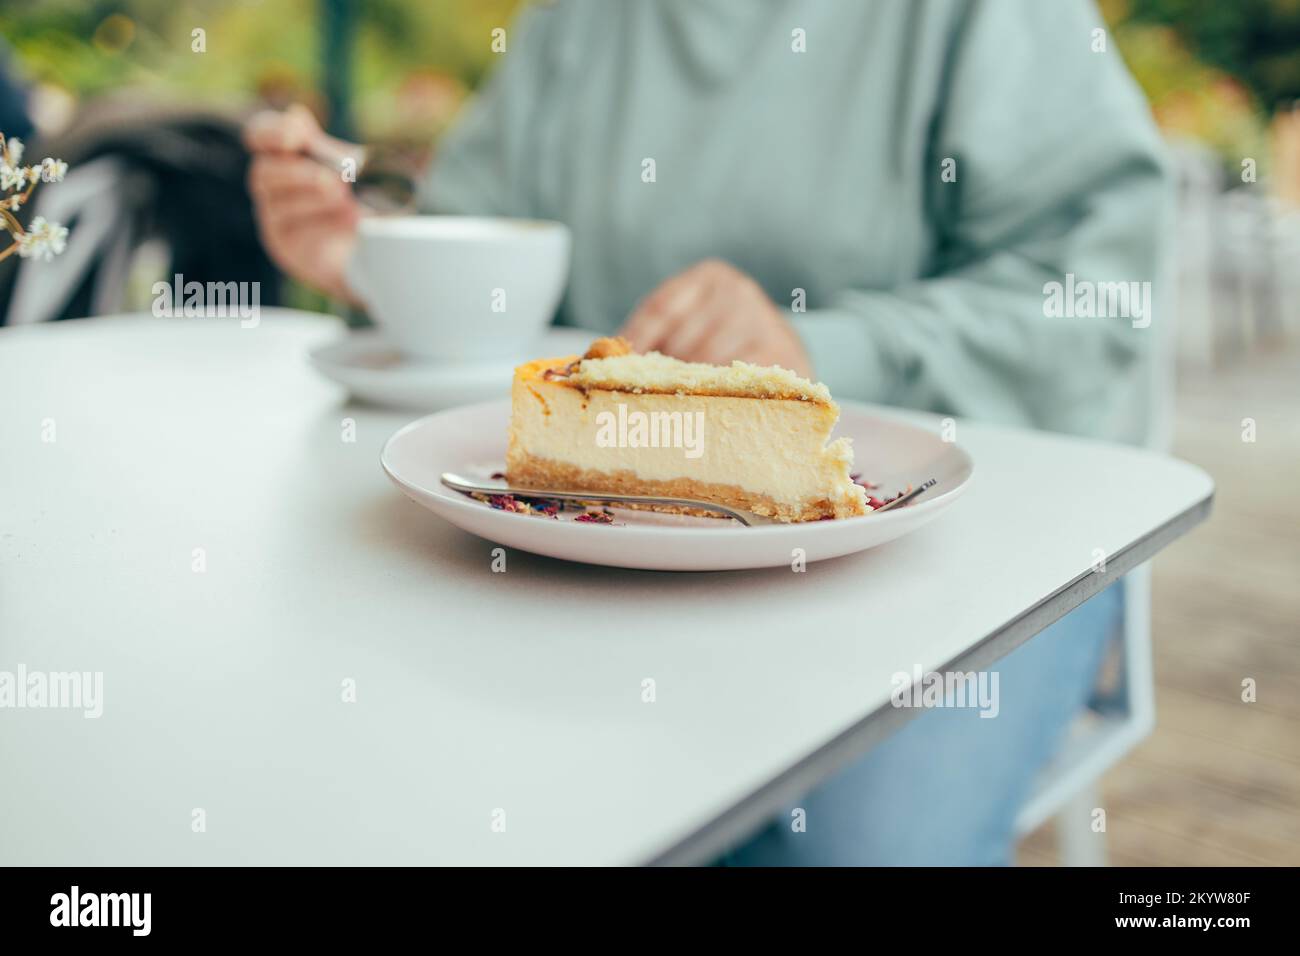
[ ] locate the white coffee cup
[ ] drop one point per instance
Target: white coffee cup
(457, 287)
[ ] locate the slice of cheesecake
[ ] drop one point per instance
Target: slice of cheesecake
(739, 435)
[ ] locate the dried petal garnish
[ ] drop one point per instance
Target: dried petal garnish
(596, 517)
(547, 506)
(542, 507)
(876, 503)
(508, 503)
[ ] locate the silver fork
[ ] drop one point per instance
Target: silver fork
(912, 495)
(746, 518)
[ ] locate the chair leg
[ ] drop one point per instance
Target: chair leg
(1077, 842)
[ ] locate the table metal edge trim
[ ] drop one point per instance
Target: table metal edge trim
(737, 822)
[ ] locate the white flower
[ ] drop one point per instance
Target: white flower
(14, 149)
(12, 177)
(42, 240)
(53, 170)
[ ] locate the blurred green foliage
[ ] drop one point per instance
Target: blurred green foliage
(1191, 59)
(271, 48)
(1255, 41)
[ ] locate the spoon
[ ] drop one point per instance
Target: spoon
(381, 176)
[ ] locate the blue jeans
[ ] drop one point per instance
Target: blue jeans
(945, 789)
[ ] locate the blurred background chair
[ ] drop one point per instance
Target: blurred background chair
(1118, 718)
(150, 193)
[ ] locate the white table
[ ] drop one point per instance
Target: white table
(475, 691)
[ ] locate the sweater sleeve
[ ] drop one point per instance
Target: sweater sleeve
(475, 171)
(1055, 168)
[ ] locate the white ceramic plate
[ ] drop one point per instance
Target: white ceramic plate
(471, 441)
(374, 370)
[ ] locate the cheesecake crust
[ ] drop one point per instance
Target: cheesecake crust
(528, 471)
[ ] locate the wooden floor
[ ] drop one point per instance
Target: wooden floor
(1218, 783)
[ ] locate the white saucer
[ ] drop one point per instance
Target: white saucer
(471, 441)
(374, 371)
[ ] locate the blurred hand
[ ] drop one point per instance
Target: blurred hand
(306, 213)
(713, 312)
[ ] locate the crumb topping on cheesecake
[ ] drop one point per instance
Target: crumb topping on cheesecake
(609, 348)
(611, 365)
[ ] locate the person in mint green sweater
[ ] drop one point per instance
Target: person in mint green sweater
(880, 194)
